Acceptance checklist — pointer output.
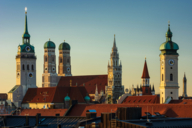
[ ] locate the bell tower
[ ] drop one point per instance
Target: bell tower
(168, 69)
(64, 68)
(49, 77)
(115, 87)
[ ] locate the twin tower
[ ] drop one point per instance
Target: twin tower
(50, 77)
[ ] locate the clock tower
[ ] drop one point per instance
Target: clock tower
(64, 68)
(25, 68)
(115, 87)
(168, 69)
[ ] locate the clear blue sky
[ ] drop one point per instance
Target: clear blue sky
(88, 26)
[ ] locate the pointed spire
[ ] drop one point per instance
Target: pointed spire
(184, 78)
(114, 44)
(168, 33)
(145, 71)
(153, 88)
(26, 34)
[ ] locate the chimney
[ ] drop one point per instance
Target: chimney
(37, 118)
(57, 114)
(27, 121)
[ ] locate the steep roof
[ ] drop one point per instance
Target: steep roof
(169, 110)
(54, 94)
(89, 81)
(145, 71)
(146, 99)
(43, 112)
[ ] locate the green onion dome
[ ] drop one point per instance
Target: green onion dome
(87, 98)
(169, 47)
(67, 98)
(64, 46)
(49, 44)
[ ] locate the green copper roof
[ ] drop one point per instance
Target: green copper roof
(14, 89)
(26, 34)
(23, 48)
(87, 98)
(169, 47)
(64, 46)
(49, 44)
(67, 98)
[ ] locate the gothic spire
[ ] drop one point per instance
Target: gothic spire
(145, 71)
(114, 44)
(168, 33)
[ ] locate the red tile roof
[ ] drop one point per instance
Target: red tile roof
(88, 81)
(146, 99)
(145, 71)
(44, 112)
(54, 94)
(170, 110)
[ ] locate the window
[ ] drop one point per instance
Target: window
(45, 59)
(171, 92)
(23, 67)
(60, 60)
(171, 67)
(67, 60)
(53, 59)
(171, 77)
(162, 77)
(27, 67)
(32, 68)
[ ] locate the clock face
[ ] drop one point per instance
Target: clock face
(30, 75)
(171, 62)
(68, 69)
(28, 49)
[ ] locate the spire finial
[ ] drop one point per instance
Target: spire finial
(49, 39)
(168, 22)
(25, 10)
(145, 58)
(64, 40)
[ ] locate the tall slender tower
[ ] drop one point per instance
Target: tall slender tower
(146, 89)
(168, 68)
(115, 87)
(64, 68)
(25, 68)
(184, 86)
(49, 77)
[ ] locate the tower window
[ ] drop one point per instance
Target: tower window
(27, 67)
(171, 92)
(171, 67)
(45, 59)
(32, 68)
(171, 77)
(23, 67)
(61, 60)
(53, 59)
(162, 77)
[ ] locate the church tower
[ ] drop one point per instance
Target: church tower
(184, 86)
(64, 68)
(49, 77)
(168, 69)
(25, 68)
(115, 88)
(146, 89)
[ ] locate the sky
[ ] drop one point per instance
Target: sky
(89, 27)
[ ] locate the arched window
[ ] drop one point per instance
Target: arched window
(162, 77)
(45, 59)
(27, 67)
(23, 67)
(60, 60)
(171, 77)
(32, 68)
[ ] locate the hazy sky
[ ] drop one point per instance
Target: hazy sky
(88, 26)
